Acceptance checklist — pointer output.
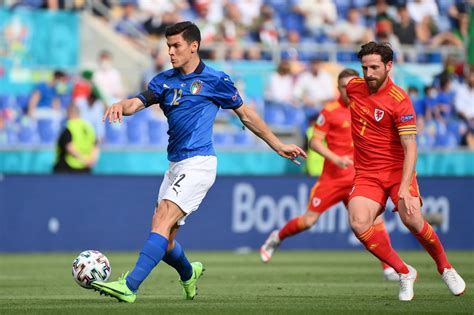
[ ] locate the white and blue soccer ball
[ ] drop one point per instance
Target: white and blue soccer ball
(89, 266)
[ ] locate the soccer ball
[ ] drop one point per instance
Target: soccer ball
(90, 265)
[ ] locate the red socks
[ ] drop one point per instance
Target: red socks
(292, 227)
(430, 241)
(378, 243)
(381, 228)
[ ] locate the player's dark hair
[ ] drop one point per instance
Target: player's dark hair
(384, 50)
(347, 73)
(187, 29)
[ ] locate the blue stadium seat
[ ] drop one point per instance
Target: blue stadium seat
(244, 138)
(26, 132)
(115, 133)
(47, 131)
(295, 116)
(223, 139)
(136, 130)
(157, 132)
(22, 101)
(274, 115)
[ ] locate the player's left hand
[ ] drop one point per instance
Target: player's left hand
(291, 152)
(410, 202)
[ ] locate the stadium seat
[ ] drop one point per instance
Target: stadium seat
(115, 133)
(47, 131)
(22, 101)
(243, 138)
(223, 139)
(136, 130)
(157, 132)
(295, 116)
(27, 132)
(274, 115)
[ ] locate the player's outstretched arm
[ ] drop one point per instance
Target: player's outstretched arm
(316, 144)
(252, 121)
(123, 108)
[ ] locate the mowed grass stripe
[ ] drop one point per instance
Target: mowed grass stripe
(294, 282)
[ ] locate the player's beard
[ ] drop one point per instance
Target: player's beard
(374, 84)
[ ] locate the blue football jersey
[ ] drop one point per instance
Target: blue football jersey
(190, 103)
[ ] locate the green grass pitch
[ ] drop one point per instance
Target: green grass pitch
(294, 282)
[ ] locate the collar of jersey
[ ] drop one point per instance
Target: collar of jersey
(199, 70)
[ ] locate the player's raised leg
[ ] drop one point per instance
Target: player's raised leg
(428, 238)
(166, 215)
(292, 227)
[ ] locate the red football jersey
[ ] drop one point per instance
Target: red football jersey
(334, 124)
(378, 120)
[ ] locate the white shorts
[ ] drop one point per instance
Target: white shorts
(187, 182)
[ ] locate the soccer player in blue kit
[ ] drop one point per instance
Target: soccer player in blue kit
(190, 95)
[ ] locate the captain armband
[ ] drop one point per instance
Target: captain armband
(148, 98)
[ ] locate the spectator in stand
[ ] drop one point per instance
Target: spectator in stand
(250, 10)
(425, 134)
(157, 67)
(130, 24)
(352, 30)
(204, 22)
(231, 29)
(418, 103)
(451, 68)
(419, 10)
(279, 90)
(464, 105)
(267, 27)
(314, 87)
(405, 27)
(45, 98)
(91, 110)
(444, 103)
(108, 79)
(384, 33)
(319, 15)
(155, 25)
(429, 100)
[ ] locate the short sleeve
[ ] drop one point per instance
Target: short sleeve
(226, 94)
(154, 93)
(321, 127)
(405, 118)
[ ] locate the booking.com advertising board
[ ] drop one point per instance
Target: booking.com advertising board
(58, 213)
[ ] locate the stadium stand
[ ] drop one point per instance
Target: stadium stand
(268, 33)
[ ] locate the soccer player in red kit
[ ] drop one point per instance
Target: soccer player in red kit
(385, 153)
(335, 182)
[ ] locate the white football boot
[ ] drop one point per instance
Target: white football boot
(453, 280)
(269, 247)
(407, 281)
(390, 274)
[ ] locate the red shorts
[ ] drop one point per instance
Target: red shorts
(328, 192)
(378, 187)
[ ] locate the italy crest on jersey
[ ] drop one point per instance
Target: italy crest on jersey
(196, 87)
(378, 114)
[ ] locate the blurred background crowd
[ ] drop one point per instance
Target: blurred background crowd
(303, 42)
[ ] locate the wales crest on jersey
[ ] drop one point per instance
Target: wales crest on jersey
(378, 114)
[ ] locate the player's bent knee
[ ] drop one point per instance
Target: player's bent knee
(310, 219)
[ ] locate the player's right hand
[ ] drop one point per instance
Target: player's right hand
(114, 113)
(344, 161)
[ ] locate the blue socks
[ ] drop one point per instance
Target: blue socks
(176, 259)
(152, 252)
